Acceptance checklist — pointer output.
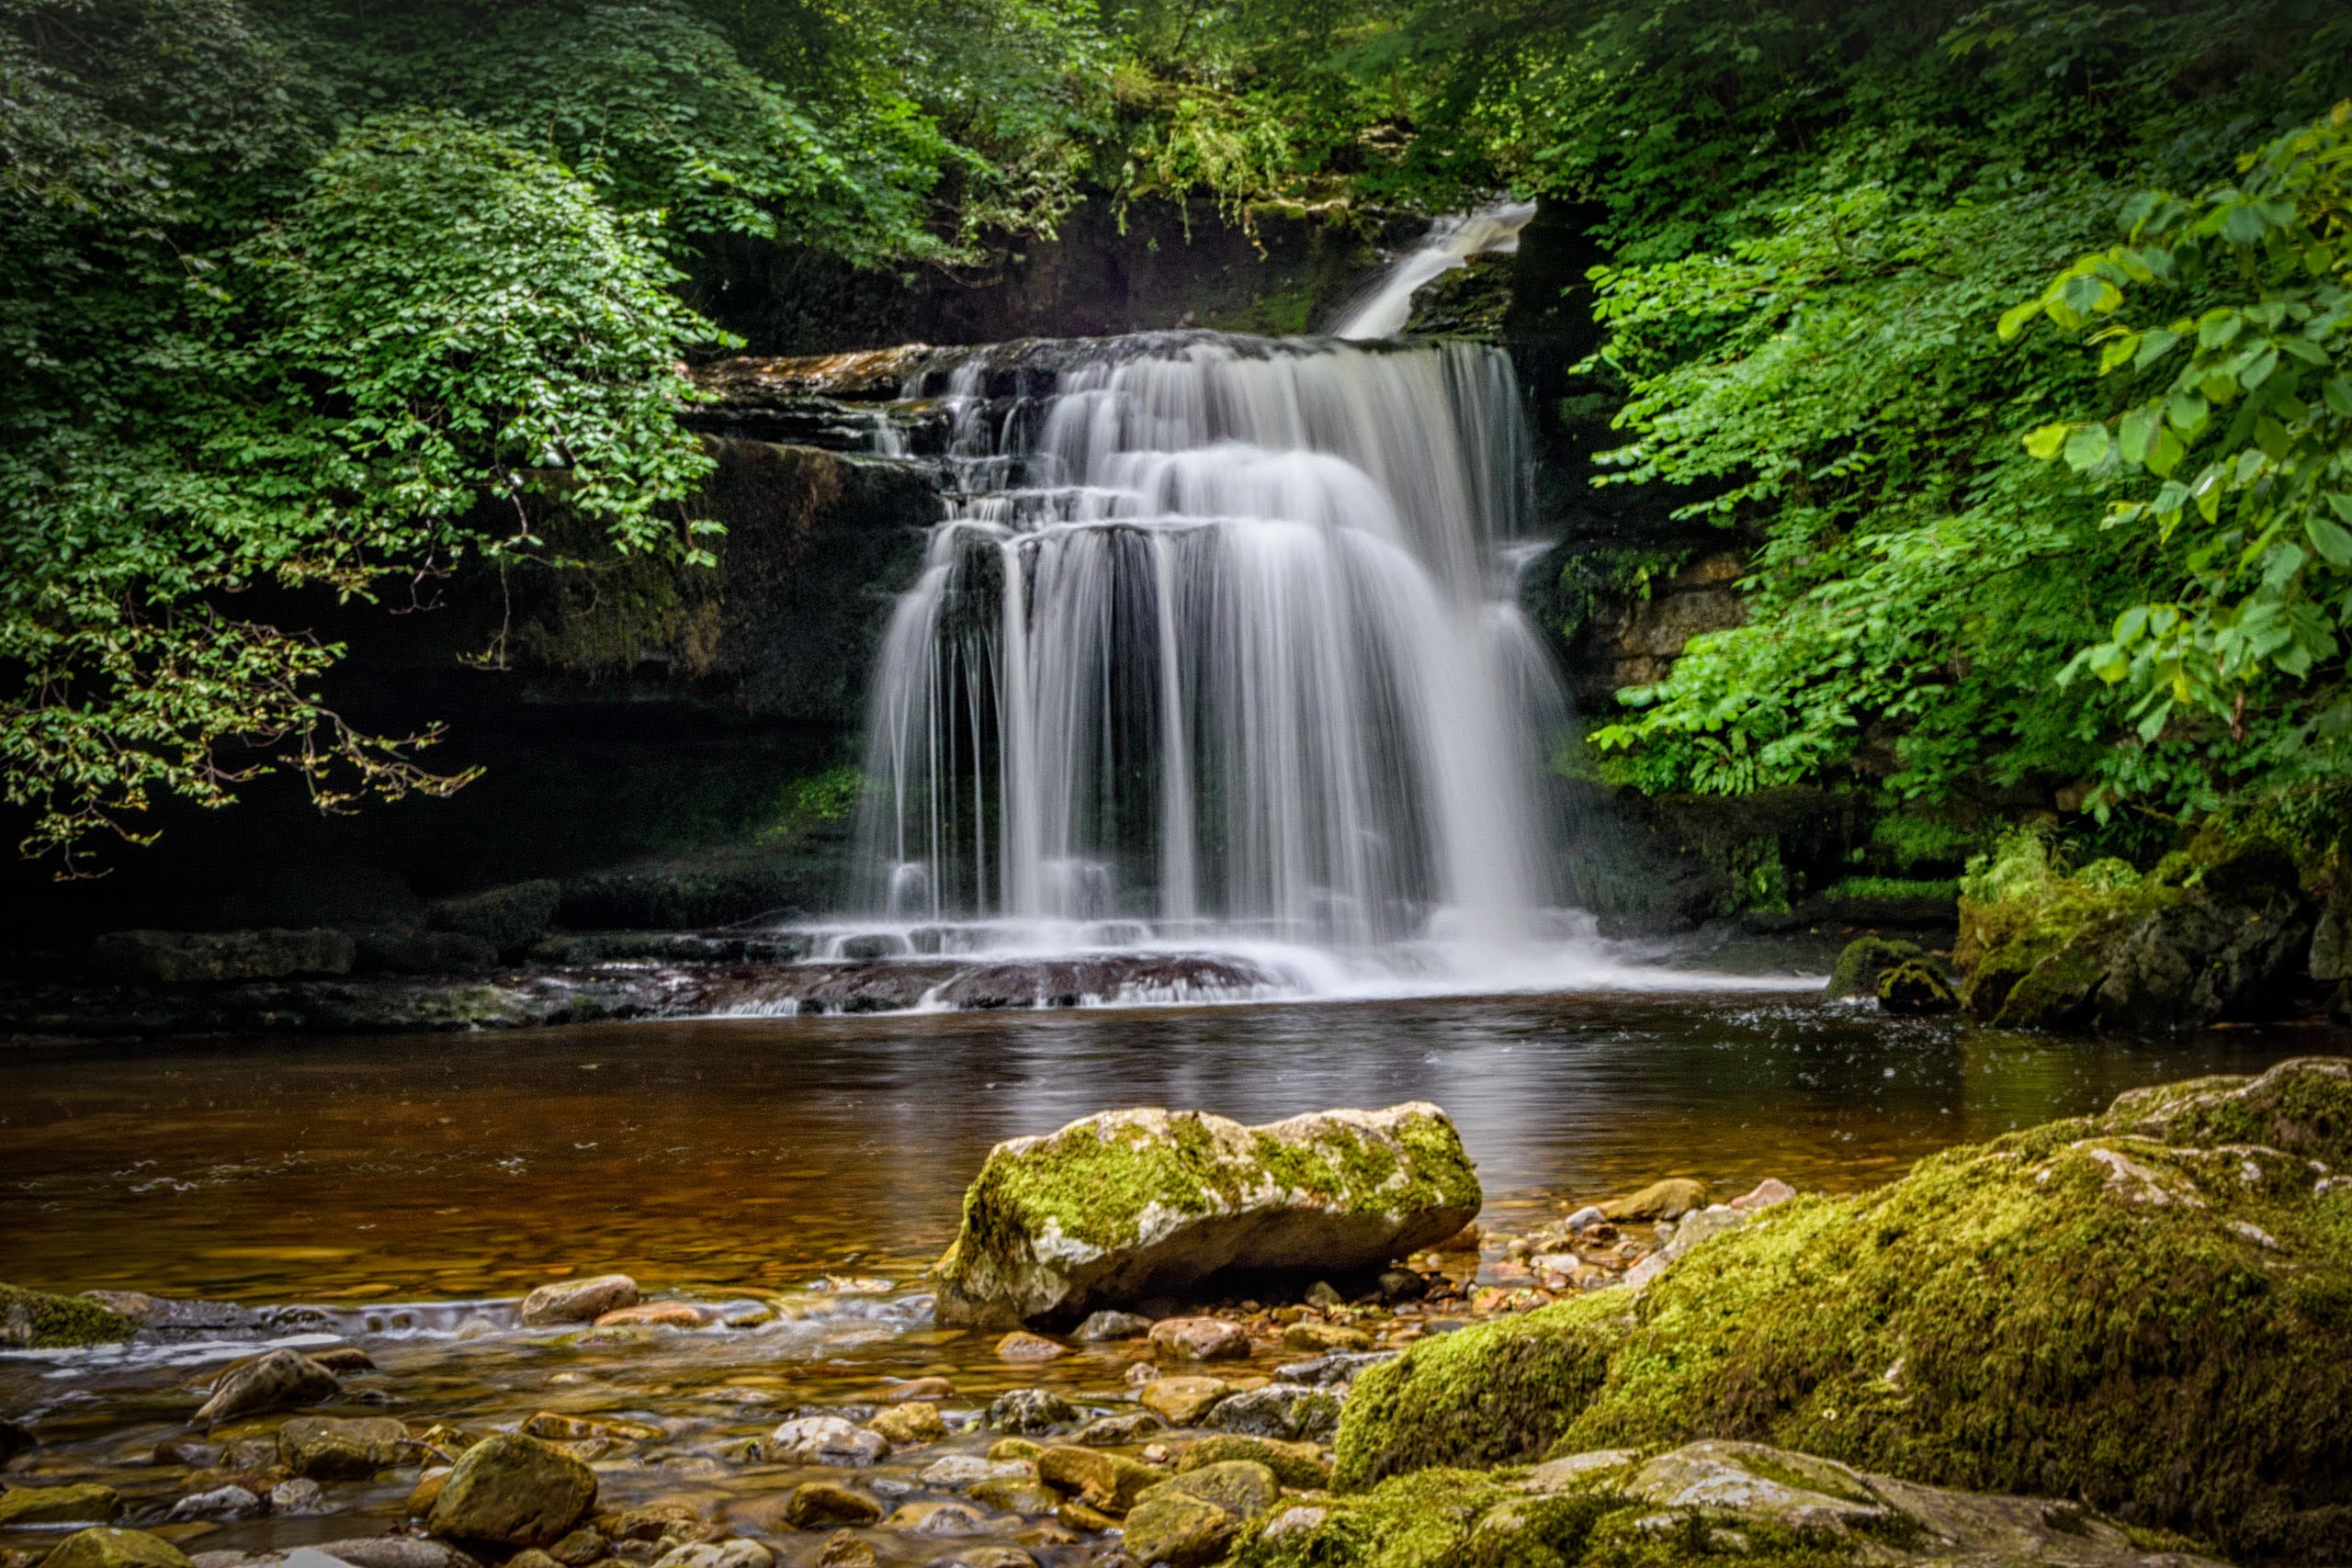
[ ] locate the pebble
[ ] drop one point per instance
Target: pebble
(654, 1314)
(299, 1496)
(816, 1504)
(1105, 1326)
(221, 1503)
(1583, 1219)
(713, 1554)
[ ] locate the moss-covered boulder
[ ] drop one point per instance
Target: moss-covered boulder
(35, 1320)
(1132, 1204)
(515, 1491)
(1734, 1502)
(114, 1548)
(1915, 987)
(2146, 1309)
(2212, 932)
(1864, 959)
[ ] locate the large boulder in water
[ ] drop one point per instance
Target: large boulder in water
(515, 1491)
(2145, 1309)
(1129, 1205)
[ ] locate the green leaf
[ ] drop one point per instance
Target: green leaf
(2245, 225)
(2331, 541)
(2014, 319)
(2165, 455)
(2217, 327)
(2153, 346)
(2044, 441)
(2138, 430)
(2086, 447)
(2188, 413)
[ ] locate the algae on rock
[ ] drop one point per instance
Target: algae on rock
(1129, 1204)
(35, 1320)
(2144, 1309)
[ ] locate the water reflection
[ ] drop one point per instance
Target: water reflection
(762, 1153)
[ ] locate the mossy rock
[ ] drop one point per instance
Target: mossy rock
(1132, 1204)
(2144, 1309)
(1915, 987)
(1864, 959)
(35, 1320)
(114, 1548)
(1707, 1502)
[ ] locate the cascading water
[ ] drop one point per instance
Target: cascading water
(1450, 244)
(1217, 644)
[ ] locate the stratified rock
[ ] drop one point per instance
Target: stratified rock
(1667, 1200)
(1289, 1412)
(35, 1320)
(421, 953)
(1699, 1502)
(1133, 1204)
(278, 1381)
(509, 917)
(578, 1301)
(325, 1448)
(178, 958)
(82, 1502)
(825, 1440)
(1865, 959)
(1914, 988)
(114, 1548)
(2037, 1314)
(513, 1490)
(821, 1505)
(1030, 1410)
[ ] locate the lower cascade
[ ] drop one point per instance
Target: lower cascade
(1216, 643)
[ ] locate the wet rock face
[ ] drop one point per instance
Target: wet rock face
(516, 1491)
(179, 958)
(1703, 1501)
(508, 917)
(1133, 1204)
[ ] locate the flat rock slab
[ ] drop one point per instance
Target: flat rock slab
(1130, 1205)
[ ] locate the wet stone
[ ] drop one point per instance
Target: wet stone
(221, 1503)
(1182, 1400)
(1337, 1370)
(1667, 1200)
(1103, 1326)
(918, 1388)
(1030, 1411)
(114, 1548)
(274, 1382)
(955, 1472)
(1200, 1338)
(825, 1440)
(578, 1301)
(1294, 1464)
(991, 1557)
(579, 1549)
(823, 1504)
(294, 1498)
(1017, 1495)
(82, 1503)
(1020, 1345)
(326, 1448)
(1179, 1530)
(716, 1554)
(937, 1520)
(515, 1490)
(1120, 1431)
(1324, 1337)
(1292, 1412)
(910, 1424)
(844, 1549)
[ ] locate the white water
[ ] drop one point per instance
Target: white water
(1217, 650)
(1451, 243)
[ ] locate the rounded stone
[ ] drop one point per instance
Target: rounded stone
(513, 1490)
(1200, 1338)
(1182, 1400)
(578, 1301)
(823, 1505)
(114, 1548)
(328, 1448)
(83, 1502)
(1178, 1530)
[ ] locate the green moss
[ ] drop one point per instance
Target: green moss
(2087, 1309)
(1496, 1395)
(1864, 959)
(35, 1320)
(2019, 908)
(1906, 842)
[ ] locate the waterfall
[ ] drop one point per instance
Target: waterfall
(1217, 639)
(1450, 244)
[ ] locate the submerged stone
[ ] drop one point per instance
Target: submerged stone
(1132, 1204)
(325, 1449)
(2144, 1309)
(513, 1490)
(274, 1382)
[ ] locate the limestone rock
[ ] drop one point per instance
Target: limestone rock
(956, 1471)
(821, 1505)
(274, 1382)
(114, 1548)
(325, 1448)
(1667, 1200)
(825, 1440)
(1293, 1464)
(180, 958)
(513, 1490)
(1133, 1204)
(578, 1301)
(82, 1502)
(1103, 1481)
(508, 917)
(1182, 1400)
(1705, 1502)
(1242, 1487)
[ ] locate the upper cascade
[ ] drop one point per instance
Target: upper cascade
(1217, 637)
(1385, 309)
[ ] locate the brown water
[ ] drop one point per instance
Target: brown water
(418, 1185)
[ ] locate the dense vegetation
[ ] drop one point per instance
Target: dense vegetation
(2008, 338)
